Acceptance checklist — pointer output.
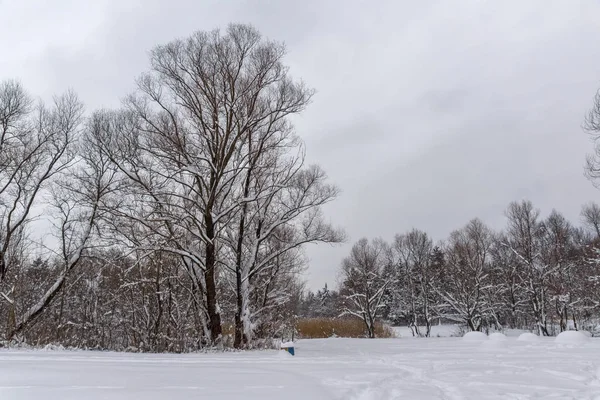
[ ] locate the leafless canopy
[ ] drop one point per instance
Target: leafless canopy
(216, 172)
(592, 127)
(35, 145)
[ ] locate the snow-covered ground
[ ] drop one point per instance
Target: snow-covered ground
(436, 368)
(436, 331)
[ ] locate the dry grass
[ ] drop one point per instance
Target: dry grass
(316, 328)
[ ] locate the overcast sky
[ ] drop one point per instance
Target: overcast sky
(427, 114)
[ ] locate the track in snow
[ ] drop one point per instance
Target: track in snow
(360, 369)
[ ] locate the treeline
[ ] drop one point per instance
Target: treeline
(178, 220)
(541, 274)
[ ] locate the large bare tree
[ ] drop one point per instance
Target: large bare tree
(207, 144)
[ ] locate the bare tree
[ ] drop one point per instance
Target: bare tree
(284, 217)
(468, 273)
(82, 197)
(411, 254)
(35, 143)
(512, 296)
(590, 214)
(592, 127)
(212, 91)
(207, 144)
(526, 241)
(363, 282)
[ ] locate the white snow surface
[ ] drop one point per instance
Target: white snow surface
(498, 337)
(572, 337)
(475, 336)
(436, 331)
(349, 369)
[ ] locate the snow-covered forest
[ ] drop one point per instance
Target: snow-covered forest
(540, 274)
(175, 222)
(178, 222)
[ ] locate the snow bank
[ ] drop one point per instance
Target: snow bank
(571, 337)
(498, 337)
(287, 344)
(475, 336)
(528, 337)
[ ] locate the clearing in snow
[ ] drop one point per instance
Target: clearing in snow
(435, 368)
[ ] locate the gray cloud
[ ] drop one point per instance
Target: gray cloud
(426, 114)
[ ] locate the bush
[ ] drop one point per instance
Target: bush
(318, 328)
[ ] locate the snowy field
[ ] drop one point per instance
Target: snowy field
(436, 368)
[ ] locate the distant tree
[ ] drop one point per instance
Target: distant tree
(415, 270)
(590, 214)
(467, 269)
(511, 301)
(559, 254)
(326, 303)
(363, 282)
(592, 127)
(526, 240)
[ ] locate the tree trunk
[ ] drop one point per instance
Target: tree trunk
(242, 315)
(470, 324)
(211, 293)
(12, 320)
(239, 329)
(241, 338)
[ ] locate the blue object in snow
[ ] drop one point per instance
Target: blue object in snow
(289, 347)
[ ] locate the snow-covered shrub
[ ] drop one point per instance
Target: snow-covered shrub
(571, 337)
(528, 337)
